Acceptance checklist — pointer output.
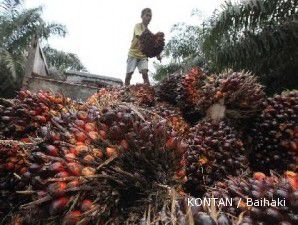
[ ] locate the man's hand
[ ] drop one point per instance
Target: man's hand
(159, 58)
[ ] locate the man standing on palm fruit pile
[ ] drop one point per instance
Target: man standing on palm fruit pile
(135, 56)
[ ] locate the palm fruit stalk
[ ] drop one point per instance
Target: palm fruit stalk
(152, 44)
(273, 137)
(261, 199)
(215, 150)
(180, 209)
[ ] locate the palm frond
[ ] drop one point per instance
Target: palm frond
(62, 60)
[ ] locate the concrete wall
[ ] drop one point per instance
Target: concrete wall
(76, 85)
(74, 91)
(96, 80)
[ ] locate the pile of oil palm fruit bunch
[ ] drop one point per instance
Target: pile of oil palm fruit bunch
(137, 155)
(152, 44)
(238, 94)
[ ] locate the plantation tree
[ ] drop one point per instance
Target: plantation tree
(256, 35)
(18, 26)
(62, 60)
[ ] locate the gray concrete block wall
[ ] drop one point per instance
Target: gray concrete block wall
(74, 91)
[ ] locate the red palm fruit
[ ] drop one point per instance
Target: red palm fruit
(73, 184)
(45, 108)
(97, 153)
(259, 176)
(103, 134)
(57, 188)
(72, 218)
(58, 205)
(26, 140)
(124, 144)
(73, 151)
(111, 151)
(38, 110)
(89, 159)
(42, 97)
(70, 157)
(9, 166)
(22, 94)
(171, 143)
(62, 174)
(13, 160)
(57, 100)
(32, 112)
(74, 168)
(82, 115)
(88, 171)
(23, 170)
(57, 167)
(93, 135)
(41, 119)
(182, 147)
(81, 136)
(21, 162)
(181, 173)
(86, 205)
(80, 143)
(55, 136)
(87, 142)
(52, 150)
(81, 149)
(80, 123)
(292, 178)
(90, 127)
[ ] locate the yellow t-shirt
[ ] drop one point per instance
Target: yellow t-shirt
(134, 50)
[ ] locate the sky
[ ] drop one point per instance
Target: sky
(100, 31)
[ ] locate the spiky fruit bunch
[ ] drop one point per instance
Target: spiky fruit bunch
(243, 95)
(152, 44)
(21, 117)
(274, 135)
(61, 188)
(139, 94)
(238, 94)
(215, 151)
(167, 88)
(261, 199)
(105, 96)
(191, 91)
(173, 115)
(62, 176)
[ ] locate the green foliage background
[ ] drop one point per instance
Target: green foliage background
(18, 26)
(256, 35)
